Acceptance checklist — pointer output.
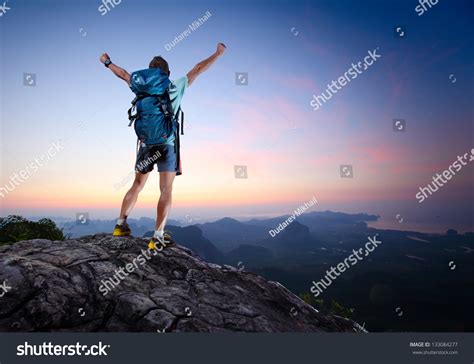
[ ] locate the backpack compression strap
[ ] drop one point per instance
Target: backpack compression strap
(161, 101)
(133, 113)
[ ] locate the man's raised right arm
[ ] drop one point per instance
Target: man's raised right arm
(205, 64)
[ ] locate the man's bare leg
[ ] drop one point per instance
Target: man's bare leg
(164, 203)
(132, 195)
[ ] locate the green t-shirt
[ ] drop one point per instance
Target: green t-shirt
(176, 90)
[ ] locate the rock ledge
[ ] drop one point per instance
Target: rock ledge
(59, 286)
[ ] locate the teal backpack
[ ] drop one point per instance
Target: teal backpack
(152, 112)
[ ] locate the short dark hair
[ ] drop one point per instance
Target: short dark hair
(160, 62)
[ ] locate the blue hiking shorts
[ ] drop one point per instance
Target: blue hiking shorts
(164, 156)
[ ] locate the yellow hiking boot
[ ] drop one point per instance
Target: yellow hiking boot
(122, 230)
(158, 244)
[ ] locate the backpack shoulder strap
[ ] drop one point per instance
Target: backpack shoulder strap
(180, 116)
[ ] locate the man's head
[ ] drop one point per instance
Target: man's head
(160, 62)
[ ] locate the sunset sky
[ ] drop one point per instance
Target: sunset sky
(291, 50)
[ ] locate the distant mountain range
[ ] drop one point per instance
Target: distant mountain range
(427, 276)
(192, 238)
(75, 229)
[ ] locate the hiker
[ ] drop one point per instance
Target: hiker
(155, 112)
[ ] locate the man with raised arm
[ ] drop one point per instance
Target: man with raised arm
(158, 103)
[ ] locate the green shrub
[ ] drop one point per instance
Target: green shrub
(15, 228)
(324, 307)
(340, 310)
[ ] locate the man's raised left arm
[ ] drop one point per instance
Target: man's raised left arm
(119, 72)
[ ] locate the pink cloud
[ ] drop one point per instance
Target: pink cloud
(291, 82)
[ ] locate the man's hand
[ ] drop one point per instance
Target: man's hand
(119, 72)
(204, 65)
(104, 57)
(220, 49)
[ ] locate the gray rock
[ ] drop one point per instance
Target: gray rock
(62, 286)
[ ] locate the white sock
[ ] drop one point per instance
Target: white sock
(121, 221)
(159, 234)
